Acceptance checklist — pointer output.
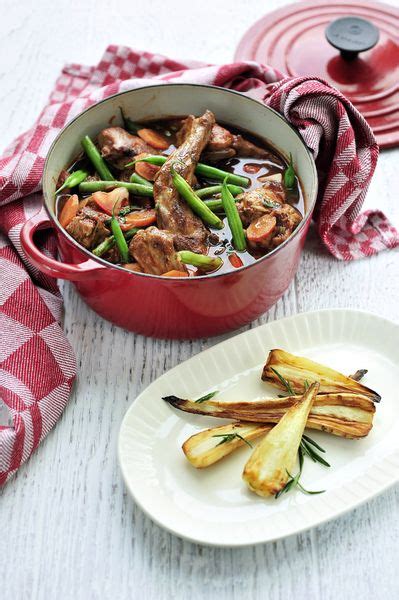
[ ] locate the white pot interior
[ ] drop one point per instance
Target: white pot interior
(175, 100)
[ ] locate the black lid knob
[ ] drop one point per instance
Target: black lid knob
(351, 35)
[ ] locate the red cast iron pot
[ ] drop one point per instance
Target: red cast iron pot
(173, 307)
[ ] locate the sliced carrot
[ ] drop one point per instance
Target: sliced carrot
(141, 218)
(144, 169)
(261, 230)
(111, 201)
(154, 138)
(252, 168)
(175, 273)
(83, 202)
(69, 210)
(235, 260)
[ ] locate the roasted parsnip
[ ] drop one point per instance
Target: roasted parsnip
(209, 446)
(345, 415)
(272, 462)
(298, 372)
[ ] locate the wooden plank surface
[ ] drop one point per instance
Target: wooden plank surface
(68, 528)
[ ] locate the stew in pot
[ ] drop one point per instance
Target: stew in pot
(179, 197)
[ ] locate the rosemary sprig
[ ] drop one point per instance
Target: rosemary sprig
(284, 381)
(127, 210)
(122, 214)
(313, 455)
(310, 441)
(270, 204)
(309, 492)
(293, 481)
(229, 437)
(206, 397)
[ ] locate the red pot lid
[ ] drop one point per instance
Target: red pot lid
(353, 45)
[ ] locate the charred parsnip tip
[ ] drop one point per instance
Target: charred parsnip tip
(207, 447)
(359, 374)
(297, 370)
(269, 466)
(344, 415)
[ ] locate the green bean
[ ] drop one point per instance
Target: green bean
(156, 159)
(120, 240)
(201, 169)
(216, 189)
(233, 219)
(131, 233)
(72, 180)
(219, 175)
(109, 242)
(202, 261)
(215, 205)
(105, 245)
(88, 187)
(195, 203)
(96, 159)
(135, 178)
(289, 175)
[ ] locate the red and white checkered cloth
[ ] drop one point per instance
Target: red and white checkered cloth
(37, 365)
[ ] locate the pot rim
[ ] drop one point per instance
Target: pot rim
(307, 217)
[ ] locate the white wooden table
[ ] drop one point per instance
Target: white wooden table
(67, 527)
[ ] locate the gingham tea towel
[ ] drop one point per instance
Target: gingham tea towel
(37, 365)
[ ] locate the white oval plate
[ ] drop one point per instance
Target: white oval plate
(213, 506)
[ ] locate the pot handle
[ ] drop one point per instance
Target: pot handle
(88, 269)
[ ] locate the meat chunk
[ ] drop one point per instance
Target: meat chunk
(113, 256)
(268, 200)
(223, 139)
(193, 242)
(220, 138)
(246, 148)
(270, 230)
(135, 267)
(222, 143)
(173, 213)
(258, 202)
(155, 252)
(184, 130)
(119, 147)
(216, 155)
(88, 227)
(288, 219)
